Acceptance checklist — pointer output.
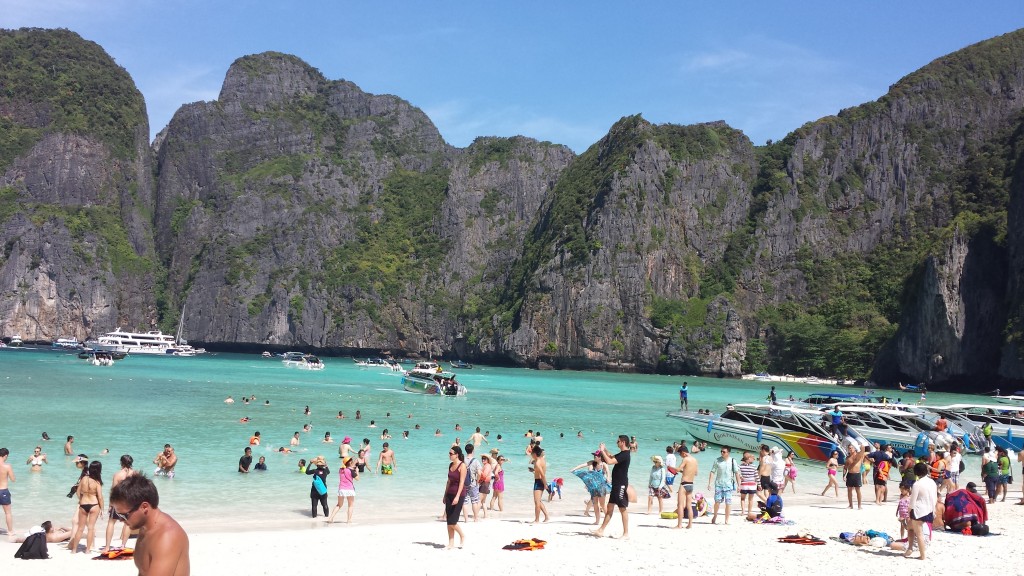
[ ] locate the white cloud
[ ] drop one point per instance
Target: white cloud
(728, 58)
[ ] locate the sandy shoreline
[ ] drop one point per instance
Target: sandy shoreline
(415, 546)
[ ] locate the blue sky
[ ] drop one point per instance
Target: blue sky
(558, 71)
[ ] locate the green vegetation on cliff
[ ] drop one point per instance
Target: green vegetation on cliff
(53, 80)
(397, 242)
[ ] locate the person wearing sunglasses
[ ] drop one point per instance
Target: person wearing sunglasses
(162, 547)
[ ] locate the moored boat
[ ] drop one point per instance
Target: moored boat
(15, 341)
(749, 426)
(904, 430)
(151, 342)
(66, 344)
(461, 365)
(1007, 421)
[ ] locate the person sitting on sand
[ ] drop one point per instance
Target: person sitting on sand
(770, 508)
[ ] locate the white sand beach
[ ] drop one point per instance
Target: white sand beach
(417, 545)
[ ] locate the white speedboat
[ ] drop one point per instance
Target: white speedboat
(66, 344)
(902, 429)
(428, 378)
(303, 361)
(15, 341)
(749, 426)
(1007, 421)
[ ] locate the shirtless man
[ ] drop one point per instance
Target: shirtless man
(540, 483)
(6, 475)
(477, 438)
(295, 439)
(764, 471)
(68, 450)
(687, 472)
(162, 547)
(851, 468)
(119, 476)
(386, 461)
(37, 459)
(165, 462)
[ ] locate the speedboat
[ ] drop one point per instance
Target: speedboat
(1007, 421)
(15, 341)
(428, 378)
(90, 354)
(305, 361)
(820, 399)
(902, 429)
(379, 363)
(749, 426)
(66, 344)
(461, 365)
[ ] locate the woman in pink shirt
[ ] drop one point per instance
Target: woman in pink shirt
(347, 476)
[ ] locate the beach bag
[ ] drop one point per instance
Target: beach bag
(962, 466)
(792, 472)
(33, 548)
(321, 489)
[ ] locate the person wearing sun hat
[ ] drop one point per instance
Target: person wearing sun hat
(345, 449)
(318, 469)
(656, 483)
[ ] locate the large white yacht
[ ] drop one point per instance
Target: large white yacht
(152, 342)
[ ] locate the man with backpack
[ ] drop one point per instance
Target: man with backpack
(882, 463)
(472, 481)
(726, 474)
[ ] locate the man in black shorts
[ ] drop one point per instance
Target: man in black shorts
(620, 484)
(854, 460)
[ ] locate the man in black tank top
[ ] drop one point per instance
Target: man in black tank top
(620, 483)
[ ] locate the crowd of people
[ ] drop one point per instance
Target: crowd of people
(475, 484)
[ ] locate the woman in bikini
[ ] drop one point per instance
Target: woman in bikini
(833, 467)
(90, 506)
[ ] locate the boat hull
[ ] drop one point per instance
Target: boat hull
(429, 387)
(714, 430)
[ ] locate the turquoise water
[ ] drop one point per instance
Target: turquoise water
(142, 402)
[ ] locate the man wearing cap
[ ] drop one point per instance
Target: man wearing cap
(687, 474)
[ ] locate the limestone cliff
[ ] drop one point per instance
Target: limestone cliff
(76, 196)
(299, 211)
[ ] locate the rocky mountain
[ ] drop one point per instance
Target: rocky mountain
(76, 192)
(300, 212)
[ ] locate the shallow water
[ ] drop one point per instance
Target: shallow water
(143, 402)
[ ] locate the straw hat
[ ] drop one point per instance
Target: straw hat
(657, 460)
(495, 451)
(319, 460)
